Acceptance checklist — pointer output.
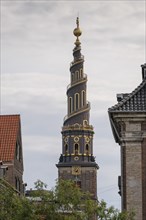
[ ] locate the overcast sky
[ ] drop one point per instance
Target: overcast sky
(36, 43)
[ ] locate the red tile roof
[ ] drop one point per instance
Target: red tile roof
(9, 128)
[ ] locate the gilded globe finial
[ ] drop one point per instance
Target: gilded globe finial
(77, 32)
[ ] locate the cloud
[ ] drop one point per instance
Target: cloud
(37, 43)
(42, 143)
(40, 165)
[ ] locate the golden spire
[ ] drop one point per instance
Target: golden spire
(77, 32)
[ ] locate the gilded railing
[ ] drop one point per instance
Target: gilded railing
(81, 59)
(77, 82)
(77, 127)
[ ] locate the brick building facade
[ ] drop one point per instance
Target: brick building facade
(128, 122)
(11, 156)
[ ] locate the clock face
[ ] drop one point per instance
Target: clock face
(76, 158)
(76, 170)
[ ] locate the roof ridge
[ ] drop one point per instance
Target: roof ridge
(129, 96)
(4, 115)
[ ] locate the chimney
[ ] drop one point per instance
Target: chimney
(143, 71)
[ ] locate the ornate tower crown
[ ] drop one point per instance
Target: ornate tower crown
(77, 32)
(78, 106)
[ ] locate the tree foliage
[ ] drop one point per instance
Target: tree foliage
(12, 206)
(65, 202)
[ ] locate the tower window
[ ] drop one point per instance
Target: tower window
(66, 149)
(76, 101)
(81, 73)
(85, 122)
(72, 77)
(87, 149)
(70, 105)
(83, 98)
(76, 149)
(77, 74)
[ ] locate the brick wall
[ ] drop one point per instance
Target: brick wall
(144, 177)
(133, 165)
(134, 178)
(88, 178)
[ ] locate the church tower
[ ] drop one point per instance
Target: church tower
(77, 161)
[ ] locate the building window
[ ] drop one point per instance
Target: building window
(77, 101)
(119, 184)
(18, 149)
(17, 184)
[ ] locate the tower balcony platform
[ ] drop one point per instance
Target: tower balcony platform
(77, 61)
(81, 80)
(84, 161)
(78, 111)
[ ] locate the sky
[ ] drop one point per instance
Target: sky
(36, 50)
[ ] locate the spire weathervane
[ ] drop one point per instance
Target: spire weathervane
(77, 32)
